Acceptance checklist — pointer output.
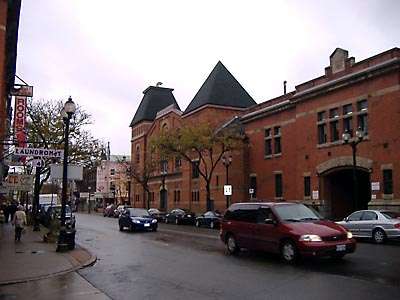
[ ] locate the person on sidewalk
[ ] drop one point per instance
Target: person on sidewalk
(19, 221)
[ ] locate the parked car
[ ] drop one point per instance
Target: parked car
(180, 216)
(137, 219)
(158, 214)
(289, 229)
(109, 210)
(54, 212)
(120, 209)
(210, 219)
(379, 225)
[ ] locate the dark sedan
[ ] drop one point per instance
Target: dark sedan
(137, 219)
(180, 216)
(210, 219)
(158, 214)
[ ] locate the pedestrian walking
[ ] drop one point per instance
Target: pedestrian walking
(19, 221)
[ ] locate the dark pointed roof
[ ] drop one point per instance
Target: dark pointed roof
(155, 99)
(221, 88)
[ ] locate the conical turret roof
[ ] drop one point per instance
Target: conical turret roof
(221, 88)
(155, 99)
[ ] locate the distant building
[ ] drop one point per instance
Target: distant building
(296, 148)
(112, 180)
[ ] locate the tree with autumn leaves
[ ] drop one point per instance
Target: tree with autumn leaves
(46, 129)
(202, 144)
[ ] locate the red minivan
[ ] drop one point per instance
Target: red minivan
(288, 228)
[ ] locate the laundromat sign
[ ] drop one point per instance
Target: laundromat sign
(37, 152)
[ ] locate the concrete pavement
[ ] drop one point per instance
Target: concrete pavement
(32, 259)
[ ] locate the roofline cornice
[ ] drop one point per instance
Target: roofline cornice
(352, 78)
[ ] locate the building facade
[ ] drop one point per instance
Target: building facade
(296, 148)
(9, 23)
(113, 181)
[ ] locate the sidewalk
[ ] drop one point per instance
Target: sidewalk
(33, 259)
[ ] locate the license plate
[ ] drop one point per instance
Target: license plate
(340, 248)
(147, 225)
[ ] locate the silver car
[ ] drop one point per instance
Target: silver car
(376, 224)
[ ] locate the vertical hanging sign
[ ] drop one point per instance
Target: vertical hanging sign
(19, 122)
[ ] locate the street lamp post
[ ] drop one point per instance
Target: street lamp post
(66, 113)
(353, 144)
(89, 189)
(128, 174)
(163, 200)
(227, 162)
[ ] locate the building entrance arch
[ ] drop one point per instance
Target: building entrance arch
(337, 185)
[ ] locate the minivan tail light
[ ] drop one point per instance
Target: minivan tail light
(397, 225)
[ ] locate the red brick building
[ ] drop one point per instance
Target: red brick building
(296, 148)
(9, 23)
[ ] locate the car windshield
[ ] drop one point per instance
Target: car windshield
(138, 212)
(57, 209)
(391, 214)
(296, 213)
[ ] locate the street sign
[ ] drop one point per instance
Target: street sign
(20, 182)
(56, 153)
(22, 90)
(38, 163)
(227, 190)
(74, 172)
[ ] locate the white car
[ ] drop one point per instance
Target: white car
(376, 224)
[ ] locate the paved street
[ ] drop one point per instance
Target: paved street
(180, 262)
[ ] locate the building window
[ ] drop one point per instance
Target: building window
(347, 109)
(277, 145)
(112, 171)
(322, 134)
(164, 166)
(277, 140)
(307, 186)
(268, 133)
(137, 198)
(195, 196)
(387, 182)
(195, 170)
(137, 154)
(334, 113)
(278, 185)
(178, 162)
(362, 119)
(348, 125)
(177, 196)
(362, 105)
(321, 116)
(334, 131)
(268, 147)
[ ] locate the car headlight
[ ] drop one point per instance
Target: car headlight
(136, 221)
(310, 238)
(349, 235)
(154, 221)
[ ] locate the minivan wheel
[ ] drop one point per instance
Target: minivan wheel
(289, 251)
(231, 244)
(379, 236)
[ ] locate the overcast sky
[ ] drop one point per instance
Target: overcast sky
(106, 53)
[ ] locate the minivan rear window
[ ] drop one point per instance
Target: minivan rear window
(242, 213)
